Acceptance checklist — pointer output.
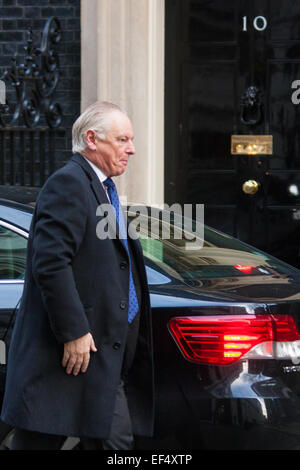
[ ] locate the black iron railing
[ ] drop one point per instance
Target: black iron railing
(30, 119)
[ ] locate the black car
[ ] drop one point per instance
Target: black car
(226, 322)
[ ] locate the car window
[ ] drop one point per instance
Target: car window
(219, 256)
(12, 254)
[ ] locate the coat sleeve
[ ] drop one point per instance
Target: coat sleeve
(59, 228)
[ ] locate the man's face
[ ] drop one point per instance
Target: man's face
(112, 153)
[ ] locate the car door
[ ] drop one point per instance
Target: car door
(13, 246)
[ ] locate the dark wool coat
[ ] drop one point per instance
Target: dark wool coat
(76, 283)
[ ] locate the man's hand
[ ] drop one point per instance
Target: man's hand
(76, 356)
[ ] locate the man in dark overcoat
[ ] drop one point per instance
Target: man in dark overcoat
(80, 358)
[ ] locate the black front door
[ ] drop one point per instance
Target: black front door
(232, 69)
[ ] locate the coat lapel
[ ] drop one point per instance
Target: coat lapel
(96, 187)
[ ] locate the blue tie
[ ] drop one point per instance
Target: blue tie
(133, 305)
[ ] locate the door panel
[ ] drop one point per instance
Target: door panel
(13, 246)
(230, 67)
(285, 20)
(211, 21)
(211, 111)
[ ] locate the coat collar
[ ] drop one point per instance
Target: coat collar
(96, 185)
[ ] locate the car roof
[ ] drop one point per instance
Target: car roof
(16, 213)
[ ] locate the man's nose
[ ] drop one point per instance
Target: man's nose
(130, 149)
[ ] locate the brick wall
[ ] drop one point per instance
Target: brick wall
(16, 16)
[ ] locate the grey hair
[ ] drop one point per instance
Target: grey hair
(96, 117)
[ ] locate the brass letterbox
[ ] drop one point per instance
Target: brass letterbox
(251, 144)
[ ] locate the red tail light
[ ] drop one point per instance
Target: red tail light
(244, 268)
(285, 328)
(225, 339)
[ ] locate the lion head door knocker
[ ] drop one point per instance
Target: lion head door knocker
(251, 106)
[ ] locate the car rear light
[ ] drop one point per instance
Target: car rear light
(222, 340)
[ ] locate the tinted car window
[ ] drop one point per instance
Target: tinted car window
(12, 254)
(219, 256)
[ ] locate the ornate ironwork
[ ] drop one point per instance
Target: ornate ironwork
(34, 82)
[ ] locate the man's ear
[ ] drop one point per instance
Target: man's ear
(91, 137)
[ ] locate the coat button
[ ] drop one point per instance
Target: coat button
(123, 265)
(116, 346)
(123, 304)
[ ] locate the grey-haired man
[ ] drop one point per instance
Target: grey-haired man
(80, 359)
